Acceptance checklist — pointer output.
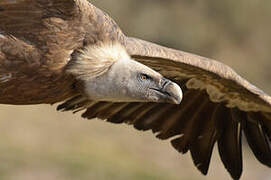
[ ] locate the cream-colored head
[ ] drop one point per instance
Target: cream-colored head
(107, 73)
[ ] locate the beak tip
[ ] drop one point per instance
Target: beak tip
(178, 101)
(176, 93)
(179, 97)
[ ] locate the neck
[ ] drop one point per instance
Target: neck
(113, 85)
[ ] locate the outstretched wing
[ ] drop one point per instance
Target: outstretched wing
(242, 105)
(217, 105)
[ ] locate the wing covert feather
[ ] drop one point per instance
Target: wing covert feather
(219, 80)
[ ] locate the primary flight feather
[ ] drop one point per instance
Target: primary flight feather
(70, 51)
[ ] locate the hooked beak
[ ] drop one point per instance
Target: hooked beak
(170, 92)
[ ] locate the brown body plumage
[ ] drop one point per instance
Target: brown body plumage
(42, 40)
(39, 38)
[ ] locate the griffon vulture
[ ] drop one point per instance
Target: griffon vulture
(70, 51)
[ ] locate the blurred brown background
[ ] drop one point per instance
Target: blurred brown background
(36, 142)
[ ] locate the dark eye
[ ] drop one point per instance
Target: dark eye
(144, 77)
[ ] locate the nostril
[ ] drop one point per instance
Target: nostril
(164, 82)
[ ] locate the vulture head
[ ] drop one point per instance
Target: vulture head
(107, 73)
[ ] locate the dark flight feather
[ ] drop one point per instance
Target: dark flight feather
(230, 146)
(201, 149)
(257, 139)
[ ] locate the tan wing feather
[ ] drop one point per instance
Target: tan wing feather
(220, 81)
(36, 42)
(51, 26)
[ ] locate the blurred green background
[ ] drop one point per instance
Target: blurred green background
(36, 142)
